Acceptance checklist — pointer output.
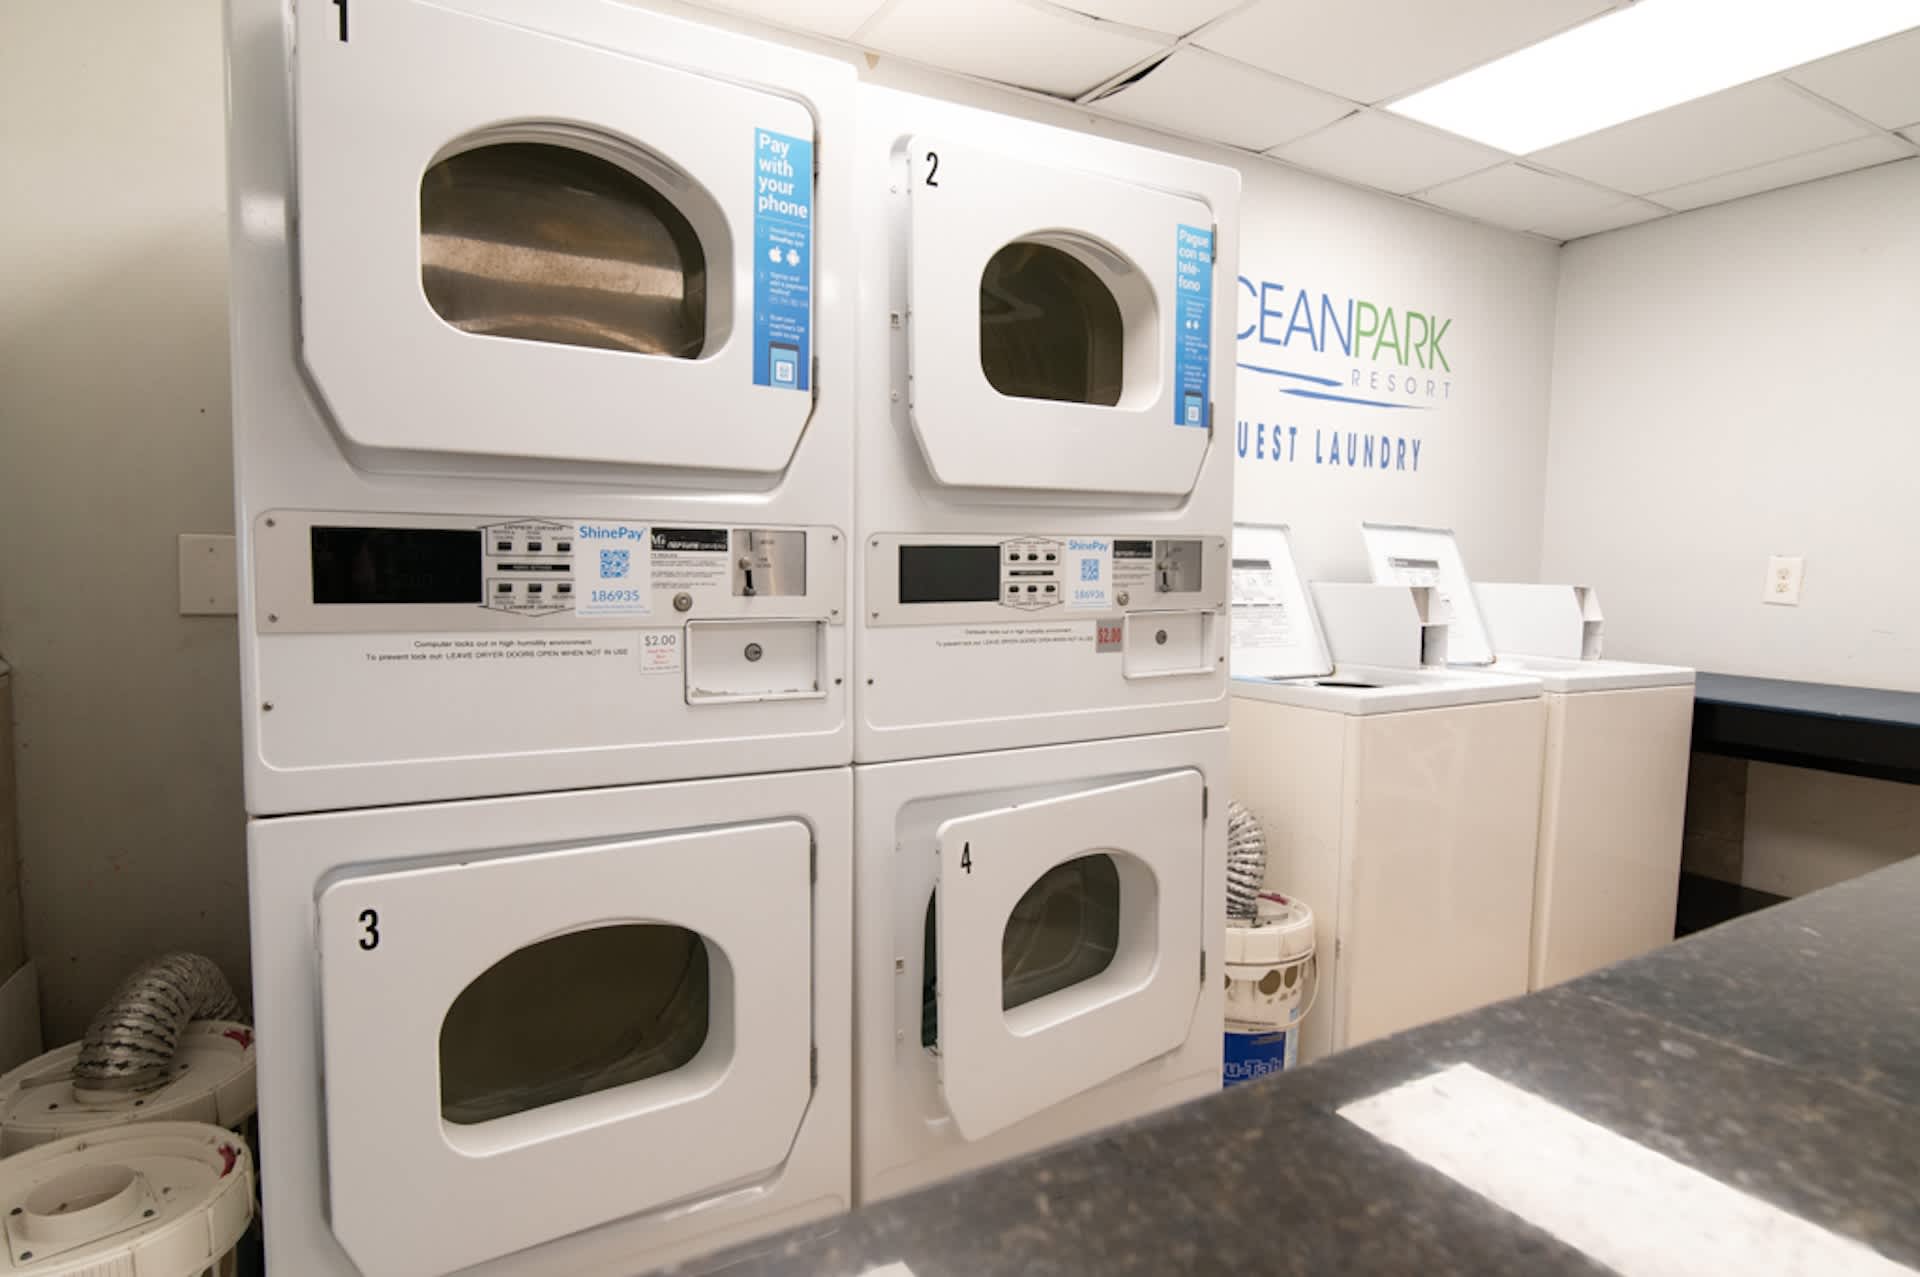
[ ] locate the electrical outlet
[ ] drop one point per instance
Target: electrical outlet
(1784, 574)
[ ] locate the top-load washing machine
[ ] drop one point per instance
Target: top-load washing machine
(1044, 482)
(543, 416)
(1399, 797)
(543, 401)
(1618, 741)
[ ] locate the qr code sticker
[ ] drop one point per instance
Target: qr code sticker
(1089, 569)
(614, 564)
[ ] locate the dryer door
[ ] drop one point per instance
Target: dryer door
(523, 1047)
(1069, 944)
(1059, 326)
(547, 249)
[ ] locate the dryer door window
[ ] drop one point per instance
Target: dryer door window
(575, 1015)
(503, 1024)
(1050, 343)
(545, 243)
(1069, 942)
(1064, 931)
(1049, 328)
(566, 254)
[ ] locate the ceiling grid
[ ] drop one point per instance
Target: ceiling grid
(1313, 86)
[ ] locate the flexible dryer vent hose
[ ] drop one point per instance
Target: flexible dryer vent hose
(1246, 862)
(132, 1039)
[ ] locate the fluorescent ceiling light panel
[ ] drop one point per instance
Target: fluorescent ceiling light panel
(1635, 61)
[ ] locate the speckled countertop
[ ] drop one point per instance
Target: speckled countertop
(1778, 1055)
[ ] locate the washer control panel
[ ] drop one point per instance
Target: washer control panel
(1030, 573)
(320, 572)
(922, 580)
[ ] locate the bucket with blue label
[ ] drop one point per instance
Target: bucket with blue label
(1272, 980)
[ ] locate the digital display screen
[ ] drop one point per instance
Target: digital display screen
(396, 565)
(949, 573)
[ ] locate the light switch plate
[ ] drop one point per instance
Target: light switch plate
(208, 583)
(1784, 574)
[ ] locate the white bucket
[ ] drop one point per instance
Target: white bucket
(1272, 978)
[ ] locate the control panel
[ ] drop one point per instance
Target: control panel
(318, 572)
(930, 580)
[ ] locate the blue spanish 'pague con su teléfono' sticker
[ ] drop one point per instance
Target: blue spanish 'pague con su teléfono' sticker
(1193, 324)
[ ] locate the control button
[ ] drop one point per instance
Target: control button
(1013, 556)
(1033, 558)
(563, 547)
(1052, 588)
(564, 588)
(1051, 556)
(504, 587)
(1033, 589)
(1013, 589)
(533, 547)
(534, 588)
(504, 547)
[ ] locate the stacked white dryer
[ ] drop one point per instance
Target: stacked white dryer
(1043, 510)
(543, 399)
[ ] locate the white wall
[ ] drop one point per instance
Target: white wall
(1734, 383)
(113, 438)
(1480, 433)
(113, 358)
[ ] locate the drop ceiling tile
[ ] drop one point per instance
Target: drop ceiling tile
(836, 18)
(1860, 153)
(1204, 95)
(1373, 50)
(1880, 81)
(1006, 40)
(1174, 17)
(1523, 198)
(1736, 129)
(1388, 153)
(1912, 134)
(1627, 212)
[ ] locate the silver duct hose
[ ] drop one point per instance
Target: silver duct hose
(1246, 862)
(132, 1039)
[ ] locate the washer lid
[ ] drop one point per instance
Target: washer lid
(1402, 555)
(161, 1199)
(1377, 689)
(1560, 674)
(211, 1079)
(1276, 630)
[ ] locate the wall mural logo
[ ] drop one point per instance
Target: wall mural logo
(1359, 358)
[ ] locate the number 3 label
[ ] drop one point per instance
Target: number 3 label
(370, 933)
